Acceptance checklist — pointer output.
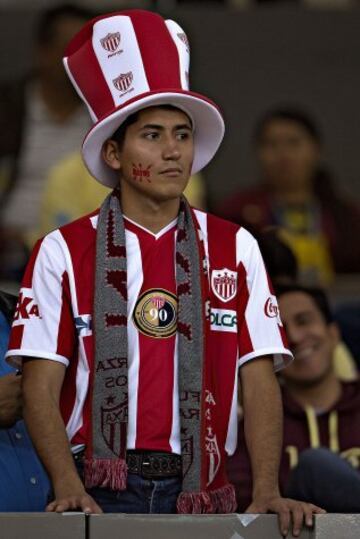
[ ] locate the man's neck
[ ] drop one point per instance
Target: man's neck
(154, 216)
(321, 396)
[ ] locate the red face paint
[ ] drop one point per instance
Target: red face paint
(138, 172)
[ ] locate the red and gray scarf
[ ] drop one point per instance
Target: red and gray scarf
(205, 489)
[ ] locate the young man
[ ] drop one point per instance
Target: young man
(166, 301)
(321, 446)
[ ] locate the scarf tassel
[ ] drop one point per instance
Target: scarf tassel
(222, 500)
(111, 473)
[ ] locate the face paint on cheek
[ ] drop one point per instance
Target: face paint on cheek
(138, 172)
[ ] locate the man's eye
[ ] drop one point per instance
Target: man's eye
(151, 135)
(183, 135)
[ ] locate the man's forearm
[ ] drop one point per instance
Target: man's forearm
(47, 430)
(263, 429)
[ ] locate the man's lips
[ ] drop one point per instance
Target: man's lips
(171, 171)
(305, 353)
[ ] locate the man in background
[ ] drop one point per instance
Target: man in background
(321, 445)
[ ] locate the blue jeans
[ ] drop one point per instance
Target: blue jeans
(141, 495)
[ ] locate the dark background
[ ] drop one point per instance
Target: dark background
(248, 61)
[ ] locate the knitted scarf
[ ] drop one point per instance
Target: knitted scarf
(105, 463)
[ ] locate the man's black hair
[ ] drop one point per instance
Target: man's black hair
(50, 17)
(317, 294)
(290, 114)
(280, 261)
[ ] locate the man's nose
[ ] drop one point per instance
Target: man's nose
(294, 334)
(171, 150)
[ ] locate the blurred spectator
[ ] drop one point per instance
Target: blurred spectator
(297, 194)
(321, 413)
(24, 485)
(44, 121)
(282, 267)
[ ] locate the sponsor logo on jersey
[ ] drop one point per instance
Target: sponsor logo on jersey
(111, 42)
(271, 309)
(155, 313)
(223, 320)
(83, 324)
(123, 81)
(224, 284)
(26, 308)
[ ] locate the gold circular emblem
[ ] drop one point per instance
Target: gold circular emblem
(155, 313)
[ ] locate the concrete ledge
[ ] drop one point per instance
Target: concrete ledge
(337, 526)
(74, 526)
(187, 527)
(42, 526)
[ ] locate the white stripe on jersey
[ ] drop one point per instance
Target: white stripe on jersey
(46, 290)
(134, 283)
(82, 372)
(174, 439)
(231, 437)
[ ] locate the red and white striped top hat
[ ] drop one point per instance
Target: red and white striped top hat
(125, 61)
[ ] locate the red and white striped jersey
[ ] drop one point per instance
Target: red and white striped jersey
(53, 320)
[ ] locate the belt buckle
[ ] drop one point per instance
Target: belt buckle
(145, 467)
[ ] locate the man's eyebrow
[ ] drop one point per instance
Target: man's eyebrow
(161, 127)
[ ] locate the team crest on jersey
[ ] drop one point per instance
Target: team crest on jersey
(123, 81)
(155, 313)
(224, 284)
(111, 42)
(112, 419)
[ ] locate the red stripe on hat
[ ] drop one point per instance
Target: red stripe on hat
(158, 50)
(88, 75)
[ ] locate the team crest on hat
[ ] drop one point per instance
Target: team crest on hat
(123, 81)
(111, 42)
(224, 284)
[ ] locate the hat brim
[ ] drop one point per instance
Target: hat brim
(207, 121)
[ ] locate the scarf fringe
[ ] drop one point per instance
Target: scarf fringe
(111, 473)
(221, 500)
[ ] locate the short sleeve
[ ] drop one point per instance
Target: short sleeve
(260, 329)
(43, 325)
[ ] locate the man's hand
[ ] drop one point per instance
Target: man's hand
(287, 510)
(10, 400)
(76, 501)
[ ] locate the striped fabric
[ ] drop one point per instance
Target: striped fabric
(54, 321)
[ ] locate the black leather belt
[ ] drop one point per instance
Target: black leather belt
(148, 464)
(153, 464)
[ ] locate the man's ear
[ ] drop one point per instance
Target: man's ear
(111, 154)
